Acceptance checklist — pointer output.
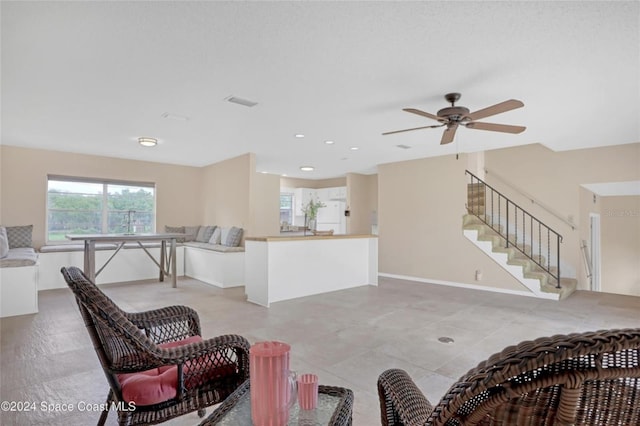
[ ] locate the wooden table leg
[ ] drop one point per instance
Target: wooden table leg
(163, 249)
(174, 269)
(90, 259)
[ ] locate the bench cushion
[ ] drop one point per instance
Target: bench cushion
(55, 248)
(214, 247)
(17, 257)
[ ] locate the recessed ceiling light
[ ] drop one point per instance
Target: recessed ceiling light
(329, 142)
(147, 141)
(354, 148)
(299, 135)
(284, 175)
(307, 168)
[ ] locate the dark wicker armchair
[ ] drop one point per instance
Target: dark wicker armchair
(579, 379)
(156, 364)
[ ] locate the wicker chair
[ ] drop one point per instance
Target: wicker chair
(578, 379)
(138, 347)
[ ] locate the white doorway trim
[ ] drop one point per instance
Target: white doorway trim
(594, 238)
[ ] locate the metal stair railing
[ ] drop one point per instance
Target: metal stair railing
(517, 227)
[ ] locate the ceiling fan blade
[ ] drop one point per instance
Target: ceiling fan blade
(505, 128)
(496, 109)
(449, 133)
(424, 114)
(415, 128)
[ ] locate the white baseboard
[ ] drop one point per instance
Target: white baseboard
(459, 285)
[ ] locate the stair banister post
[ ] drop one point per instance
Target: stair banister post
(507, 230)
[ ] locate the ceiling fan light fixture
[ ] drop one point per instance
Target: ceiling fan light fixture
(148, 142)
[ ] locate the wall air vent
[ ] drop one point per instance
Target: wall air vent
(403, 146)
(240, 101)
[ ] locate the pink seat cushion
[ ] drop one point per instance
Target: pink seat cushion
(156, 385)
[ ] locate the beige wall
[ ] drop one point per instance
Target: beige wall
(362, 202)
(421, 206)
(265, 205)
(620, 245)
(311, 183)
(23, 186)
(226, 192)
(235, 195)
(554, 179)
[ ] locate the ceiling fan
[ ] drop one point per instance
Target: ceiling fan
(455, 116)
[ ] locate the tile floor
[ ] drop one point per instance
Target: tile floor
(348, 337)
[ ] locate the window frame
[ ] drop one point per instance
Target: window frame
(104, 213)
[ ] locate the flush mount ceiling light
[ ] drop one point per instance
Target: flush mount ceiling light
(299, 135)
(354, 148)
(329, 142)
(307, 168)
(147, 141)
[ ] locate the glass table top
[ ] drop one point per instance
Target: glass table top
(240, 413)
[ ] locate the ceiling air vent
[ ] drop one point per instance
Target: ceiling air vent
(240, 101)
(401, 146)
(172, 116)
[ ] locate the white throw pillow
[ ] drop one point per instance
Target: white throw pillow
(224, 234)
(4, 242)
(216, 236)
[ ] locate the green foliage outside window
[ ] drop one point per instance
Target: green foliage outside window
(93, 208)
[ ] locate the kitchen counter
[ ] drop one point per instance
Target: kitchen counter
(309, 237)
(286, 267)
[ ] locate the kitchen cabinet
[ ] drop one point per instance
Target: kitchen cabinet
(337, 193)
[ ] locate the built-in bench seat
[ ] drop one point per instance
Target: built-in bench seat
(215, 264)
(19, 282)
(130, 264)
(24, 271)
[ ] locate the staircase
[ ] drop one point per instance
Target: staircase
(494, 229)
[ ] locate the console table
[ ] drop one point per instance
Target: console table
(167, 263)
(335, 407)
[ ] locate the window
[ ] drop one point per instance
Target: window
(89, 206)
(286, 208)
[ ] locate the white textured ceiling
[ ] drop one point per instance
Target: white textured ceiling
(91, 77)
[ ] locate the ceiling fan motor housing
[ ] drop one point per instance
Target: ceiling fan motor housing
(454, 113)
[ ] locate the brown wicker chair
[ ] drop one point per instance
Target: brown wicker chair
(578, 379)
(205, 372)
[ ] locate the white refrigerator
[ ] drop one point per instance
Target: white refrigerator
(332, 217)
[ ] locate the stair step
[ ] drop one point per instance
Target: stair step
(530, 269)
